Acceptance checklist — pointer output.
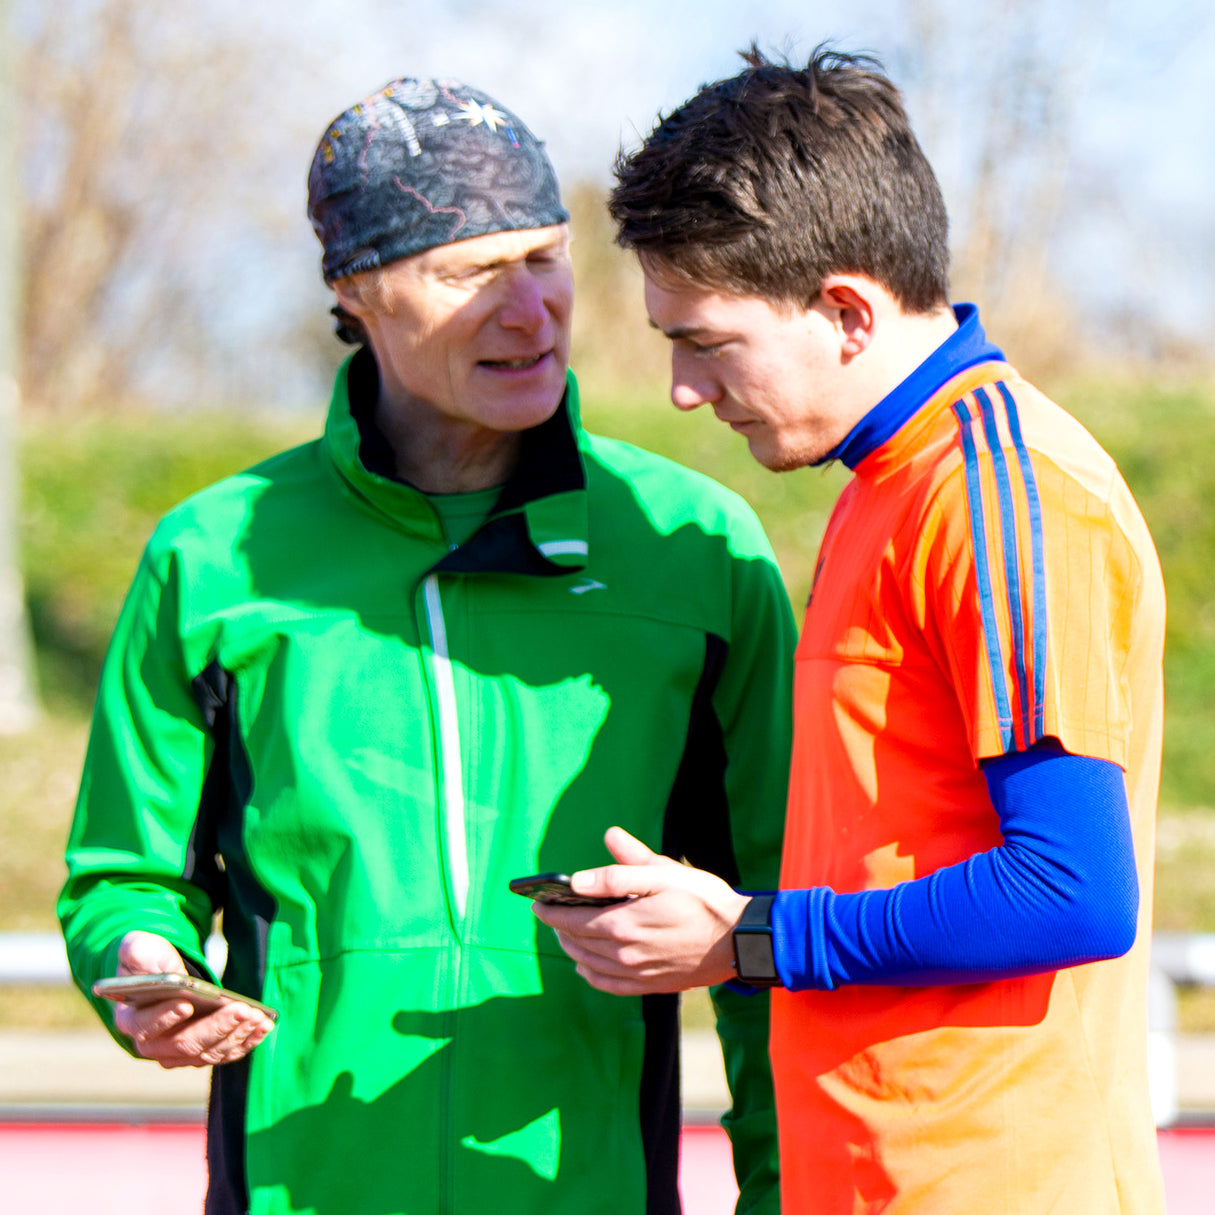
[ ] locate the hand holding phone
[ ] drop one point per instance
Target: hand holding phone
(173, 1029)
(142, 990)
(555, 888)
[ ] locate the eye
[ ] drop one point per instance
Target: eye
(545, 259)
(468, 278)
(702, 350)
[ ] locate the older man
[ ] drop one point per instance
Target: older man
(358, 688)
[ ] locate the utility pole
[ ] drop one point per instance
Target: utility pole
(18, 697)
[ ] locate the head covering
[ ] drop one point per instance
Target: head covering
(424, 163)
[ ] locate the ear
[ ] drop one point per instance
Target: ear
(349, 296)
(854, 302)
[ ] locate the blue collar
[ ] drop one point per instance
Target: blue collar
(965, 347)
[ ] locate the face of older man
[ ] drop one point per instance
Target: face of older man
(476, 333)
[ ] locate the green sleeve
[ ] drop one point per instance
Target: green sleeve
(129, 854)
(754, 702)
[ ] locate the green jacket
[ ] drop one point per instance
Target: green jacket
(318, 721)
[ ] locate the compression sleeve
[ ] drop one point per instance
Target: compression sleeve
(1060, 890)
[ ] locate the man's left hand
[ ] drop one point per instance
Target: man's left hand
(672, 933)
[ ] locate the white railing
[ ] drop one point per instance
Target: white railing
(33, 957)
(1178, 959)
(40, 958)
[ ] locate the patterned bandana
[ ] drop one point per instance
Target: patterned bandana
(423, 163)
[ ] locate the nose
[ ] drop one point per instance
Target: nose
(690, 386)
(524, 306)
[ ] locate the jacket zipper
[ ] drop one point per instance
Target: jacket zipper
(451, 767)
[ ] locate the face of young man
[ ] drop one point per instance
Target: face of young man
(774, 375)
(475, 334)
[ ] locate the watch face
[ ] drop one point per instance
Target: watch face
(755, 961)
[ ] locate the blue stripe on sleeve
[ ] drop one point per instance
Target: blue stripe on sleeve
(1010, 544)
(1061, 890)
(1034, 504)
(991, 632)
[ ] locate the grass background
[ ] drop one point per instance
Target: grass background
(94, 486)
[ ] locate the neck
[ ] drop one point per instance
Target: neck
(441, 456)
(907, 343)
(934, 350)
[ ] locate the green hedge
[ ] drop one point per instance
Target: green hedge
(94, 487)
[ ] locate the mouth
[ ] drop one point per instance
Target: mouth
(521, 364)
(736, 423)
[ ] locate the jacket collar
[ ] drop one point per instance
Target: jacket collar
(538, 524)
(965, 347)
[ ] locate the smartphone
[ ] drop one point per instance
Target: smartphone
(555, 888)
(142, 990)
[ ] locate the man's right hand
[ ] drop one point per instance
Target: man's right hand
(674, 931)
(171, 1032)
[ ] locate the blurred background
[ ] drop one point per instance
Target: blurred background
(163, 321)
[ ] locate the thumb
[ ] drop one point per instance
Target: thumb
(629, 850)
(142, 953)
(639, 870)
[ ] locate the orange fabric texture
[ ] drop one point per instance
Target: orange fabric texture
(985, 581)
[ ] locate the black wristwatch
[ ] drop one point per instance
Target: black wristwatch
(754, 961)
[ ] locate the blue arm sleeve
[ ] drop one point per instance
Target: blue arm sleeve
(1060, 890)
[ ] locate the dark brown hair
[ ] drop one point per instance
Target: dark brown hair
(765, 183)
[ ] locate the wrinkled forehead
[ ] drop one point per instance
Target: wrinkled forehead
(497, 248)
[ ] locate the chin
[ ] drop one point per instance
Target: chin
(775, 459)
(529, 413)
(778, 456)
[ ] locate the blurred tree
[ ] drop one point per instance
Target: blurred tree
(994, 90)
(18, 700)
(165, 145)
(150, 131)
(83, 77)
(999, 93)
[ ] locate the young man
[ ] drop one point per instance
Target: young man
(960, 941)
(359, 688)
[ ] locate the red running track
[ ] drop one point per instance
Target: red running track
(158, 1169)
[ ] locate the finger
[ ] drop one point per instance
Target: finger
(586, 921)
(152, 1020)
(629, 881)
(613, 960)
(189, 1050)
(206, 1039)
(219, 1052)
(242, 1041)
(153, 1030)
(585, 954)
(646, 904)
(618, 985)
(244, 1036)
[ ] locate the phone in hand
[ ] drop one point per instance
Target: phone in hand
(142, 990)
(555, 888)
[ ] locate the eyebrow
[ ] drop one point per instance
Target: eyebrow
(463, 267)
(549, 247)
(680, 331)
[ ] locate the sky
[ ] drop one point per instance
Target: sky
(1125, 85)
